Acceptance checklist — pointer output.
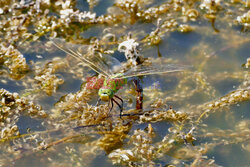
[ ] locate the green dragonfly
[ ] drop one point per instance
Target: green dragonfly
(114, 75)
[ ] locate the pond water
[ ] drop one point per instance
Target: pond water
(197, 116)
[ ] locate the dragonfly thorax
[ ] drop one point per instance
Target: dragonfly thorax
(110, 87)
(105, 94)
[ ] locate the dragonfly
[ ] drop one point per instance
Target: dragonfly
(113, 75)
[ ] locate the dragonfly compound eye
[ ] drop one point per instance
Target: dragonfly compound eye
(105, 94)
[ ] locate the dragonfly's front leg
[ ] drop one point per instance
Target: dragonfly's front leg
(119, 107)
(112, 104)
(98, 102)
(120, 100)
(139, 98)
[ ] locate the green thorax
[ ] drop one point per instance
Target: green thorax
(114, 83)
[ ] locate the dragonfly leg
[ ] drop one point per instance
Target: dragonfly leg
(119, 107)
(98, 102)
(119, 99)
(139, 98)
(109, 103)
(112, 105)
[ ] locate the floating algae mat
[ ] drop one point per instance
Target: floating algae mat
(172, 76)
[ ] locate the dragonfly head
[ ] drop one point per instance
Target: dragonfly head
(105, 94)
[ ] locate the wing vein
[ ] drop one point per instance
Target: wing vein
(79, 56)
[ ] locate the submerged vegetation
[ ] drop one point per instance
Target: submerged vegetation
(192, 118)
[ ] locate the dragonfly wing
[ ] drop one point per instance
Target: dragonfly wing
(142, 70)
(102, 64)
(112, 63)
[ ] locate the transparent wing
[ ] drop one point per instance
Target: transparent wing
(152, 69)
(102, 64)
